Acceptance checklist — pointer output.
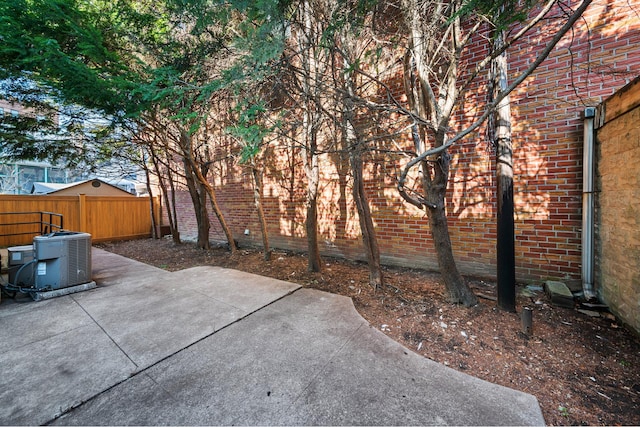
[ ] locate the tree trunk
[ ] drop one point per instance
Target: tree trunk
(173, 223)
(199, 205)
(203, 234)
(310, 78)
(311, 225)
(457, 289)
(170, 204)
(206, 188)
(435, 178)
(369, 240)
(162, 185)
(435, 190)
(356, 148)
(223, 223)
(312, 170)
(257, 198)
(152, 208)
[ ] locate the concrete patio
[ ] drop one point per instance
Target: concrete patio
(211, 346)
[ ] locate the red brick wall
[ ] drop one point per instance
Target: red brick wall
(600, 56)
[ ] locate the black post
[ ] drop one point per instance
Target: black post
(505, 246)
(527, 321)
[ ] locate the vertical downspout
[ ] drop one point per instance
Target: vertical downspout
(587, 204)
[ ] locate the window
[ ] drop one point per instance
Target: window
(1, 112)
(15, 113)
(57, 175)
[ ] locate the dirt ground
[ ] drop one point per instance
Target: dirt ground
(583, 370)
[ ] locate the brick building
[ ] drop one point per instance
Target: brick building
(17, 177)
(617, 203)
(598, 57)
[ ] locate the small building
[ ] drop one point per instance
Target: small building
(91, 187)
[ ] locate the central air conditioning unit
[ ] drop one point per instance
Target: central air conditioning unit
(63, 259)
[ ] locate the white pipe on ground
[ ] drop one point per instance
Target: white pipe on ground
(587, 204)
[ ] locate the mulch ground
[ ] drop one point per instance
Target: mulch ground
(583, 370)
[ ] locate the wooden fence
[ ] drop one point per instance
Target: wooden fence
(104, 217)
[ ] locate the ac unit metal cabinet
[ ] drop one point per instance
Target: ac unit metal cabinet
(18, 256)
(64, 259)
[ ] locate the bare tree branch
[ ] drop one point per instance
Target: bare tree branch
(490, 107)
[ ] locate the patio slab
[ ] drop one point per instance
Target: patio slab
(211, 346)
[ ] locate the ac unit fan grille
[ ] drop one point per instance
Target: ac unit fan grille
(78, 261)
